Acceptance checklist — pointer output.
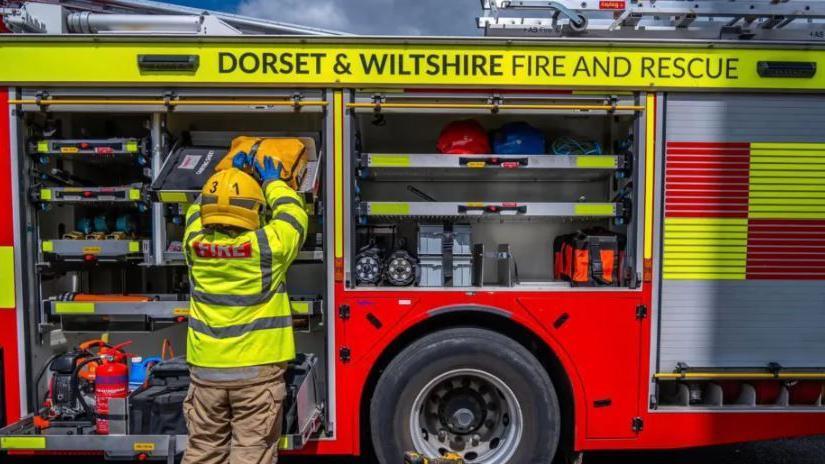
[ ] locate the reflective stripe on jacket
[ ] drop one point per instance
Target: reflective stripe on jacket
(239, 311)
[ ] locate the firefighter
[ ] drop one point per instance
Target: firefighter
(240, 330)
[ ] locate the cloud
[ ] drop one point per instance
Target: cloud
(392, 17)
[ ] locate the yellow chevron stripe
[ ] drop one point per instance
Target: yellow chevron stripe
(759, 187)
(706, 234)
(703, 254)
(706, 242)
(703, 276)
(705, 248)
(787, 201)
(788, 174)
(757, 194)
(785, 215)
(785, 181)
(789, 208)
(706, 220)
(795, 160)
(787, 146)
(714, 262)
(731, 269)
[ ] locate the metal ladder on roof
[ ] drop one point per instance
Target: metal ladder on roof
(764, 20)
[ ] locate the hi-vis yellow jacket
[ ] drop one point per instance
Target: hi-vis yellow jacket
(239, 311)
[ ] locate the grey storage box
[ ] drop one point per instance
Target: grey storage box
(462, 272)
(431, 239)
(462, 240)
(432, 272)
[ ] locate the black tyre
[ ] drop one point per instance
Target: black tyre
(469, 391)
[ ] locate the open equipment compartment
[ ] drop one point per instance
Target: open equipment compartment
(507, 207)
(100, 240)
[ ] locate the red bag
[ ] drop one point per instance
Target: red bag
(589, 258)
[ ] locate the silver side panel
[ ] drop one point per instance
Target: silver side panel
(747, 321)
(19, 269)
(742, 323)
(744, 118)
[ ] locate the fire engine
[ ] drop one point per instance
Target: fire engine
(599, 227)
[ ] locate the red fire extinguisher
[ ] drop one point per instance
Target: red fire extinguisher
(111, 381)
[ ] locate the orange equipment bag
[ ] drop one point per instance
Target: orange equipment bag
(589, 258)
(286, 150)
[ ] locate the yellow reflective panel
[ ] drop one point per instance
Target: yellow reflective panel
(327, 62)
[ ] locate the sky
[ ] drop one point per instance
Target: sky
(394, 17)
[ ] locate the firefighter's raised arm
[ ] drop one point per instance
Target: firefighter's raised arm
(193, 225)
(288, 225)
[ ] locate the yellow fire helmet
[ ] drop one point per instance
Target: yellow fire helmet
(233, 198)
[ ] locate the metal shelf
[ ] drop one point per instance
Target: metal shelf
(304, 256)
(488, 209)
(87, 147)
(489, 167)
(22, 436)
(157, 306)
(124, 194)
(98, 250)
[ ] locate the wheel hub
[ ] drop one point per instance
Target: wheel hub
(462, 412)
(469, 412)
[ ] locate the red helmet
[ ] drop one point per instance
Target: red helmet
(465, 137)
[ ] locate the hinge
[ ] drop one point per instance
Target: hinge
(637, 424)
(496, 101)
(297, 98)
(641, 311)
(377, 100)
(344, 354)
(343, 312)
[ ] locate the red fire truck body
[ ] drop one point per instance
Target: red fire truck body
(666, 359)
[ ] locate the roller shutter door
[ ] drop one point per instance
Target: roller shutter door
(743, 243)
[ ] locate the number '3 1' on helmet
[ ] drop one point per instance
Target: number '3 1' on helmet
(233, 198)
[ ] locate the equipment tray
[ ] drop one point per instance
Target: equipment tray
(93, 250)
(498, 210)
(303, 410)
(93, 147)
(187, 168)
(126, 194)
(426, 166)
(157, 311)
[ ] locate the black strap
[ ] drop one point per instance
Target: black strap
(596, 265)
(254, 150)
(447, 255)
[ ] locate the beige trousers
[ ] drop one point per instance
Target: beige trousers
(235, 421)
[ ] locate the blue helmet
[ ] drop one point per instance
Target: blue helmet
(518, 138)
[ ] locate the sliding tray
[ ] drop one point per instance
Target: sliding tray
(303, 417)
(93, 250)
(304, 256)
(393, 166)
(186, 170)
(470, 210)
(153, 312)
(87, 147)
(122, 194)
(23, 437)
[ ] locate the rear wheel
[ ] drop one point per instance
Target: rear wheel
(468, 391)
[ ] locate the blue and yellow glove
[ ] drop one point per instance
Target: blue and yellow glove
(241, 160)
(268, 171)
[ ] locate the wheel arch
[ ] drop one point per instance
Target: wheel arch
(484, 317)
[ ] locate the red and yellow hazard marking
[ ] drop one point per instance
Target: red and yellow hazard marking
(744, 211)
